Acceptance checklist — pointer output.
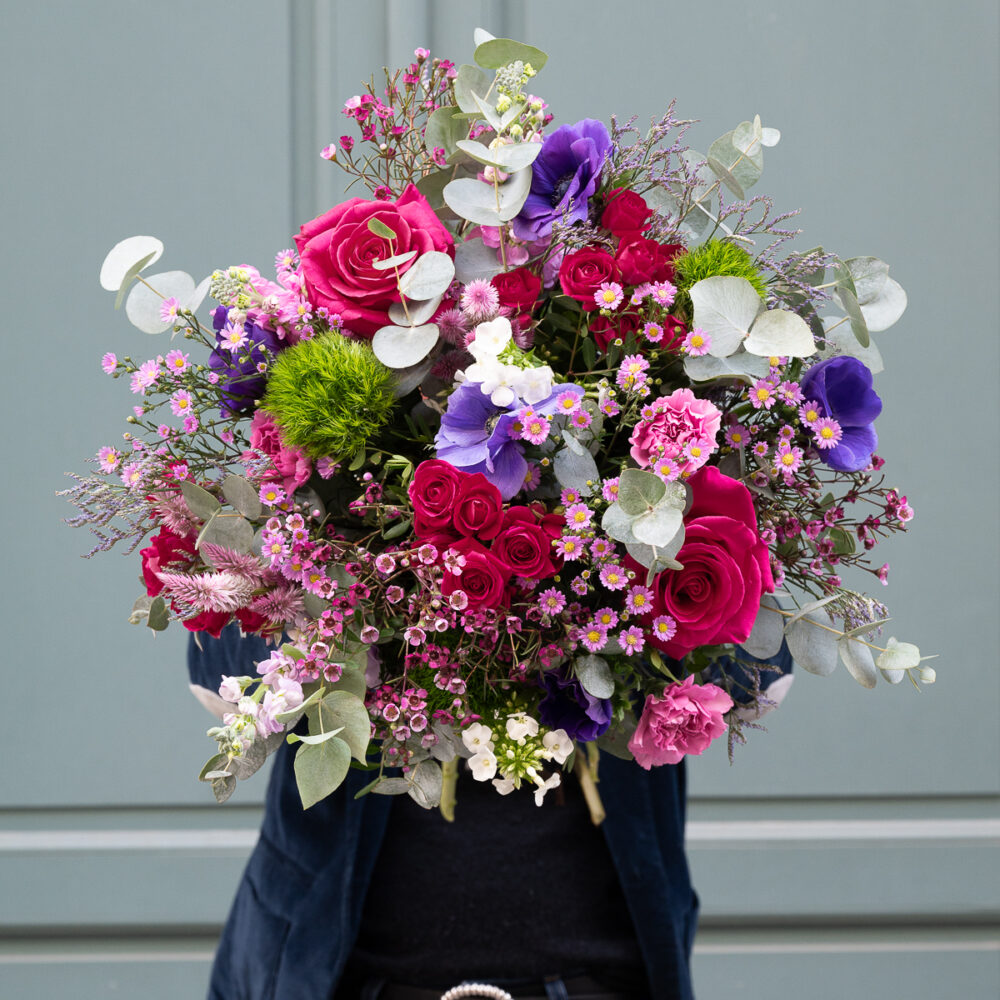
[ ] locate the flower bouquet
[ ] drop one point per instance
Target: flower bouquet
(545, 444)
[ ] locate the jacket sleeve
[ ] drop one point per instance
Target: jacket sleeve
(741, 675)
(231, 655)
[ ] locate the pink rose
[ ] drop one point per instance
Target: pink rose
(674, 421)
(338, 249)
(716, 596)
(684, 721)
(292, 464)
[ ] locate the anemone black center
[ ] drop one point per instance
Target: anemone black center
(560, 189)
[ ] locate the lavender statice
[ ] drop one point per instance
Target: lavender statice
(100, 503)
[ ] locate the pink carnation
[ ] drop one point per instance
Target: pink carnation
(291, 464)
(671, 422)
(684, 721)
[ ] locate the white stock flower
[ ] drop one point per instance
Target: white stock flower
(478, 738)
(558, 744)
(483, 765)
(230, 689)
(491, 338)
(552, 781)
(504, 785)
(521, 725)
(535, 384)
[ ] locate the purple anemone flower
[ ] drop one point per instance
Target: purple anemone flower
(842, 387)
(567, 170)
(566, 705)
(475, 435)
(241, 381)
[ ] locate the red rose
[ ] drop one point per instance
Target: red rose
(484, 577)
(642, 260)
(433, 491)
(212, 622)
(716, 596)
(525, 544)
(518, 291)
(337, 251)
(582, 273)
(167, 552)
(627, 215)
(478, 508)
(604, 329)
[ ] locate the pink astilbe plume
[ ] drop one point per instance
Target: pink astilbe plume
(208, 591)
(172, 510)
(229, 561)
(283, 604)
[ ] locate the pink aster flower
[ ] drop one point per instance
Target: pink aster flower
(760, 449)
(668, 469)
(790, 392)
(631, 640)
(180, 403)
(762, 395)
(696, 343)
(809, 412)
(631, 373)
(190, 424)
(534, 427)
(609, 489)
(271, 494)
(570, 548)
(581, 420)
(663, 294)
(614, 576)
(579, 586)
(601, 548)
(567, 403)
(578, 517)
(609, 406)
(551, 601)
(737, 436)
(788, 459)
(828, 432)
(568, 497)
(169, 308)
(176, 362)
(653, 332)
(285, 261)
(109, 459)
(133, 475)
(609, 295)
(532, 476)
(664, 628)
(593, 638)
(232, 337)
(639, 600)
(109, 363)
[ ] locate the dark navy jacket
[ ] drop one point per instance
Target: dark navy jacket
(298, 907)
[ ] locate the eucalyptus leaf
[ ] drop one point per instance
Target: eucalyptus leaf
(314, 605)
(144, 301)
(474, 200)
(617, 524)
(392, 786)
(429, 276)
(658, 526)
(746, 137)
(869, 275)
(821, 602)
(249, 762)
(770, 136)
(575, 470)
(379, 228)
(200, 502)
(231, 531)
(738, 169)
(858, 659)
(813, 648)
(140, 610)
(195, 299)
(639, 491)
(404, 347)
(432, 186)
(499, 52)
(444, 130)
(396, 260)
(214, 765)
(488, 111)
(777, 332)
(884, 310)
(407, 379)
(341, 708)
(841, 340)
(471, 79)
(241, 495)
(474, 261)
(656, 560)
(416, 313)
(158, 617)
(514, 193)
(846, 295)
(898, 655)
(594, 675)
(480, 35)
(130, 275)
(426, 782)
(615, 741)
(768, 630)
(129, 255)
(739, 365)
(223, 788)
(320, 769)
(315, 740)
(724, 307)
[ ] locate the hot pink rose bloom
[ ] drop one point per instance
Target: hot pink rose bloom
(337, 251)
(684, 721)
(292, 464)
(676, 419)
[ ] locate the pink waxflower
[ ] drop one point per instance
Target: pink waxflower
(683, 721)
(670, 423)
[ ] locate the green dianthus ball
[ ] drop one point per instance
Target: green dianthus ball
(714, 258)
(329, 395)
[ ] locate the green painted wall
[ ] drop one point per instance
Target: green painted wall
(850, 851)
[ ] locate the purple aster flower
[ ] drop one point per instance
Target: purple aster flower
(238, 371)
(566, 705)
(564, 175)
(842, 388)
